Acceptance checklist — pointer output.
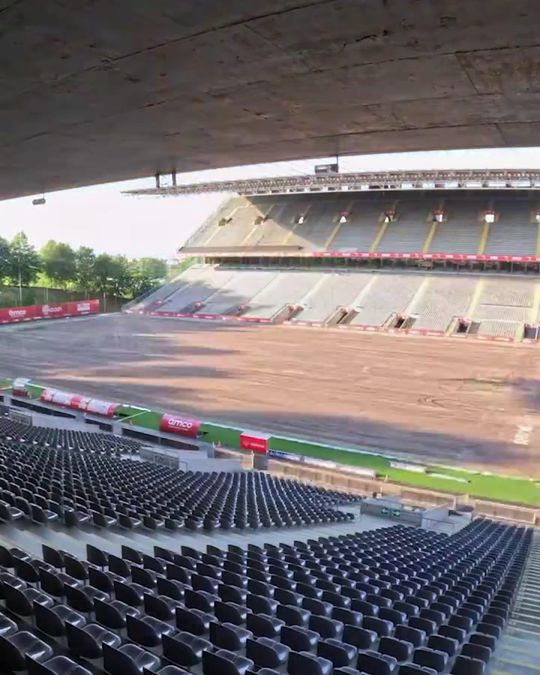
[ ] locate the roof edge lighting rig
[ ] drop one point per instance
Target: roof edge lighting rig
(497, 179)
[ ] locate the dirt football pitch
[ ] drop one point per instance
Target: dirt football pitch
(452, 401)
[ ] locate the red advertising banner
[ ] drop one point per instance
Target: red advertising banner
(55, 311)
(255, 442)
(463, 257)
(16, 314)
(180, 425)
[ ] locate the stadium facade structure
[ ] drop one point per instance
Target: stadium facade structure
(403, 253)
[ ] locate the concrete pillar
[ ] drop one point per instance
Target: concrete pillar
(260, 462)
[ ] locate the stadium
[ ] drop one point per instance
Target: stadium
(314, 449)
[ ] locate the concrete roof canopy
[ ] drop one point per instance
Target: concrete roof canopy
(94, 91)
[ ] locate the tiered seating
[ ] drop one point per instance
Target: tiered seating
(504, 304)
(514, 231)
(237, 291)
(68, 439)
(288, 288)
(276, 228)
(238, 222)
(388, 294)
(444, 299)
(340, 289)
(200, 284)
(462, 231)
(504, 307)
(44, 484)
(408, 234)
(361, 228)
(394, 601)
(319, 224)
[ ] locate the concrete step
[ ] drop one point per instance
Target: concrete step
(527, 624)
(529, 596)
(528, 600)
(521, 645)
(526, 614)
(525, 602)
(519, 632)
(509, 666)
(525, 660)
(526, 607)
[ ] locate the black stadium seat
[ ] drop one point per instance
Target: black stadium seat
(102, 488)
(393, 601)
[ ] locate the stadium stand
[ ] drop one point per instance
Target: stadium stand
(361, 228)
(234, 227)
(498, 307)
(273, 220)
(238, 291)
(288, 288)
(338, 289)
(393, 601)
(388, 295)
(444, 299)
(66, 439)
(503, 308)
(513, 233)
(408, 233)
(314, 232)
(199, 285)
(406, 254)
(46, 483)
(461, 232)
(275, 227)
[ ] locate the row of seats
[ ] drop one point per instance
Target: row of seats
(394, 601)
(77, 488)
(67, 439)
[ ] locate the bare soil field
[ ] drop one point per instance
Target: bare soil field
(458, 402)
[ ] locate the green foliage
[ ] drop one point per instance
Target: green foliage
(59, 262)
(4, 258)
(24, 263)
(85, 260)
(58, 265)
(151, 268)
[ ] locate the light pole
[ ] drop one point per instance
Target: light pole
(20, 281)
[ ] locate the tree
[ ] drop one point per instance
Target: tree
(152, 268)
(85, 274)
(59, 262)
(5, 258)
(24, 262)
(113, 274)
(123, 276)
(146, 273)
(103, 272)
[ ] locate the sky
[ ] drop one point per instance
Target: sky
(104, 219)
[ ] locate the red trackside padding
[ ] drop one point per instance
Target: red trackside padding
(78, 402)
(105, 408)
(254, 442)
(180, 425)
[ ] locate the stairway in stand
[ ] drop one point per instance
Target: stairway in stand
(518, 651)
